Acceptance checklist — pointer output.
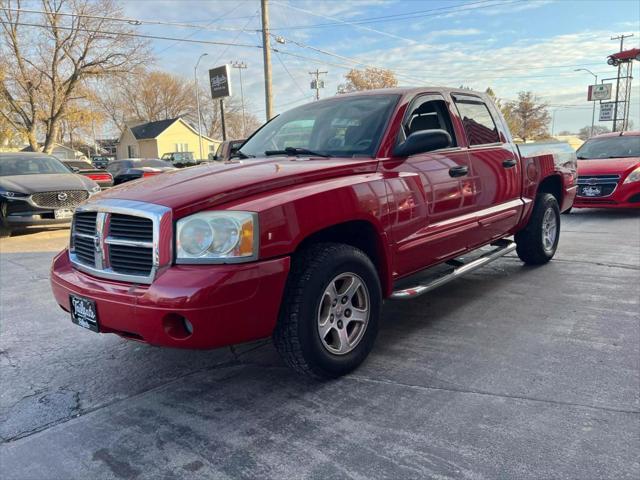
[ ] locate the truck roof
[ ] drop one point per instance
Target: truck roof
(409, 91)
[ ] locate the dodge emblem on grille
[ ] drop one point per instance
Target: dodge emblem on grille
(62, 196)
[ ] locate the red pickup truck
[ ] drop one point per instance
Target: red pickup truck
(324, 212)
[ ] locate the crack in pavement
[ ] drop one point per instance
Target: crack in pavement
(625, 266)
(493, 394)
(80, 412)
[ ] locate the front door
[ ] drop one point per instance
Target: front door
(431, 190)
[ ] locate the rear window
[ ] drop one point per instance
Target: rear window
(153, 163)
(478, 123)
(610, 147)
(30, 165)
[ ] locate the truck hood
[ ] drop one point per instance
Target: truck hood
(211, 184)
(608, 166)
(48, 182)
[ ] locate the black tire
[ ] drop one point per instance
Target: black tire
(567, 211)
(297, 337)
(5, 230)
(530, 245)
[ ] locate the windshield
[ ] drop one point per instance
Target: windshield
(342, 126)
(30, 165)
(610, 147)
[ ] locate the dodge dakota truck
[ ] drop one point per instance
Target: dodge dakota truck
(327, 210)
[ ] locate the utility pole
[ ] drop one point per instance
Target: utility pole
(266, 52)
(615, 106)
(241, 66)
(317, 84)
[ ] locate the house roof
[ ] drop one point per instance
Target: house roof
(152, 129)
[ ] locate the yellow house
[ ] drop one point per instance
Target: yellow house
(154, 139)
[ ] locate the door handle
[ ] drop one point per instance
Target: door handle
(509, 163)
(458, 171)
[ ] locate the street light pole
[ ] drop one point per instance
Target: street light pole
(593, 110)
(240, 66)
(195, 75)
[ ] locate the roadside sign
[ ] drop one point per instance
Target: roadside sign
(606, 111)
(599, 92)
(219, 79)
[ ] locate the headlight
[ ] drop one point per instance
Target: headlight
(217, 237)
(95, 189)
(633, 176)
(12, 195)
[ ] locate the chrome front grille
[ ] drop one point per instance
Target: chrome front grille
(60, 199)
(607, 184)
(121, 239)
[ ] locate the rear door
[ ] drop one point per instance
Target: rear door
(495, 168)
(431, 190)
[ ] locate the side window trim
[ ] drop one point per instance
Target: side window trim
(472, 99)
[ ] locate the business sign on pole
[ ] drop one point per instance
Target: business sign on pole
(220, 81)
(599, 92)
(606, 111)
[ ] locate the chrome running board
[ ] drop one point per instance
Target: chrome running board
(459, 268)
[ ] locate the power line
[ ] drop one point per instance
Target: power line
(345, 22)
(404, 16)
(127, 34)
(131, 21)
(295, 82)
(197, 31)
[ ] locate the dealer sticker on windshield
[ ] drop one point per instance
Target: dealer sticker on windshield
(84, 313)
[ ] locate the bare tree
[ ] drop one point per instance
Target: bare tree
(527, 117)
(148, 96)
(368, 79)
(232, 118)
(585, 132)
(49, 55)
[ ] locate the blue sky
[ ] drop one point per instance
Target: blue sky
(510, 45)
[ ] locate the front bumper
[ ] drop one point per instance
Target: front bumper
(626, 195)
(225, 304)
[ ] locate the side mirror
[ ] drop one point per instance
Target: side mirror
(75, 169)
(423, 141)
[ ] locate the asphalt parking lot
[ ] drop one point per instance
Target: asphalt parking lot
(511, 372)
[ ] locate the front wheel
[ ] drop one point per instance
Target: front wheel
(329, 316)
(537, 243)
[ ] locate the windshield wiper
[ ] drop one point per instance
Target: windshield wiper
(295, 151)
(241, 155)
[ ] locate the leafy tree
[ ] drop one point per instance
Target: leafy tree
(45, 67)
(368, 79)
(527, 117)
(585, 132)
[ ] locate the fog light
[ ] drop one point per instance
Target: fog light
(177, 327)
(187, 326)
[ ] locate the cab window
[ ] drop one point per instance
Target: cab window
(429, 112)
(477, 122)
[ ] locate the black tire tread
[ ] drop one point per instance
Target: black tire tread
(529, 240)
(285, 335)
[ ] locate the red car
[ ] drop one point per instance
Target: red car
(325, 211)
(609, 171)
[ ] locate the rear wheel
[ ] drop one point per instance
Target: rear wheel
(536, 244)
(329, 315)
